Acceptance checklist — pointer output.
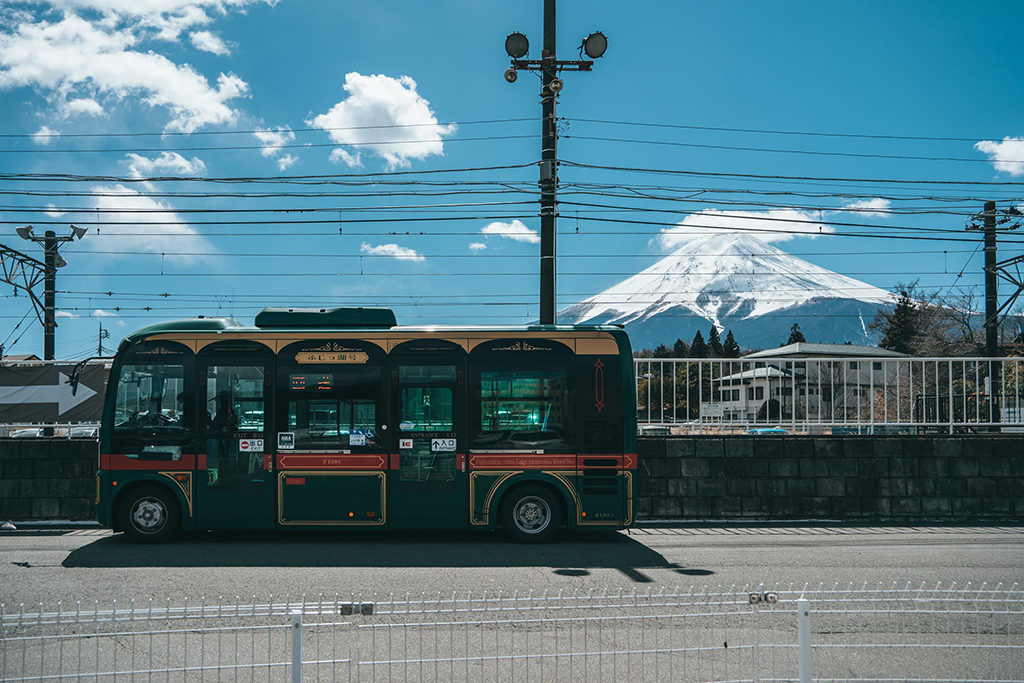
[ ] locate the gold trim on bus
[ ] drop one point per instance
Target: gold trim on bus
(186, 487)
(485, 513)
(321, 473)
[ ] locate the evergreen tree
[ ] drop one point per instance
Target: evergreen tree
(662, 351)
(680, 349)
(714, 343)
(795, 335)
(901, 327)
(698, 349)
(730, 349)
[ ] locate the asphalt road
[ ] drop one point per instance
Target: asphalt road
(50, 565)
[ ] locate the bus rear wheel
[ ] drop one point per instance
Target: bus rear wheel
(149, 514)
(531, 514)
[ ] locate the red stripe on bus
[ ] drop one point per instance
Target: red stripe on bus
(114, 461)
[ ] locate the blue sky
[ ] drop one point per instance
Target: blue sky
(167, 67)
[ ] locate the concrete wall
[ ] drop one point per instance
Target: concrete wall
(47, 478)
(901, 478)
(856, 478)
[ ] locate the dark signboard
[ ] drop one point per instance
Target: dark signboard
(41, 393)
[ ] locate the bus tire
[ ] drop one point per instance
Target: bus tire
(149, 514)
(531, 514)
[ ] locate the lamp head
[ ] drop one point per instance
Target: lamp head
(511, 75)
(25, 232)
(595, 44)
(58, 261)
(517, 45)
(77, 232)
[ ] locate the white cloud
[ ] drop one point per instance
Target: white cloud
(273, 140)
(100, 313)
(75, 59)
(209, 42)
(286, 161)
(380, 100)
(65, 314)
(514, 231)
(157, 229)
(775, 225)
(165, 19)
(83, 106)
(870, 208)
(477, 246)
(44, 135)
(121, 323)
(168, 163)
(52, 211)
(400, 253)
(1006, 156)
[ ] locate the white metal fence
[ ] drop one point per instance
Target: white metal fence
(838, 395)
(750, 634)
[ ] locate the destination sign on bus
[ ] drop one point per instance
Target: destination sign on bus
(303, 382)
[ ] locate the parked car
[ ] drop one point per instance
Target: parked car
(83, 432)
(30, 433)
(767, 430)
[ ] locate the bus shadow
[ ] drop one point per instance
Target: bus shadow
(392, 549)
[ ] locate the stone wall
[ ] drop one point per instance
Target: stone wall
(750, 478)
(903, 478)
(47, 478)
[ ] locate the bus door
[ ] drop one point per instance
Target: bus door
(236, 489)
(429, 442)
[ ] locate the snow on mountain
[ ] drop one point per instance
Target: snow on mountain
(738, 282)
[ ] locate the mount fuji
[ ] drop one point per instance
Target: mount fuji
(736, 282)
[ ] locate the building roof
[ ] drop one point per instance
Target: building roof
(811, 350)
(22, 357)
(769, 372)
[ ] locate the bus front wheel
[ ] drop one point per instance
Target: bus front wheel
(149, 514)
(531, 514)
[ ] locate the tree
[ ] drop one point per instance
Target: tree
(698, 349)
(901, 328)
(795, 335)
(680, 349)
(714, 343)
(730, 349)
(662, 351)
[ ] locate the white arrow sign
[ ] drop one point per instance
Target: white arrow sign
(48, 393)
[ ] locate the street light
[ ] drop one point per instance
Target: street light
(25, 232)
(595, 44)
(516, 45)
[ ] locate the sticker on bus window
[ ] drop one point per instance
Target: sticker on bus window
(442, 445)
(250, 445)
(356, 438)
(405, 444)
(407, 426)
(285, 441)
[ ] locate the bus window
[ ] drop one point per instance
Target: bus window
(334, 410)
(524, 409)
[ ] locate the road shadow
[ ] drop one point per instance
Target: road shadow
(580, 552)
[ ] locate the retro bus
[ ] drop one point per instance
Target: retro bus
(341, 419)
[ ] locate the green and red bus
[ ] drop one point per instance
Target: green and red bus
(342, 419)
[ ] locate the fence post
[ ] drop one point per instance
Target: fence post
(296, 672)
(803, 634)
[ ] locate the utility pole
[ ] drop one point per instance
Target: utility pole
(104, 334)
(517, 47)
(49, 294)
(548, 173)
(991, 292)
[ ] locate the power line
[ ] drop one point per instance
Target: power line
(253, 131)
(782, 132)
(734, 148)
(222, 148)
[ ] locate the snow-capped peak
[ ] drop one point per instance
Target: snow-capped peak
(719, 275)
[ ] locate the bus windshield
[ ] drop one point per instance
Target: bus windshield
(150, 397)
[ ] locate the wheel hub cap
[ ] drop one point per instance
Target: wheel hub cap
(532, 515)
(149, 515)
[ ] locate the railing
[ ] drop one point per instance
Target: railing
(837, 395)
(749, 634)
